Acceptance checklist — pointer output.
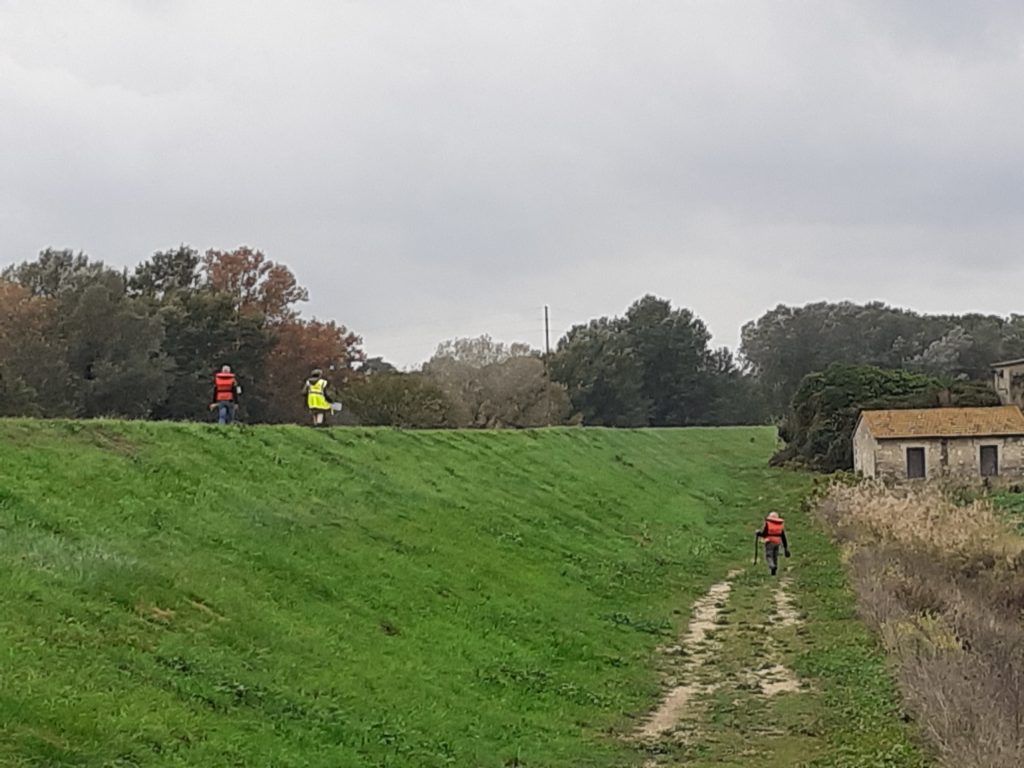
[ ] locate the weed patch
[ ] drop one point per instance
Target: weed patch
(941, 579)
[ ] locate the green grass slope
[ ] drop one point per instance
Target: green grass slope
(191, 595)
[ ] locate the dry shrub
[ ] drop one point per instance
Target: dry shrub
(873, 575)
(922, 518)
(943, 585)
(968, 707)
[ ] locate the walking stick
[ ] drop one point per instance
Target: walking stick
(756, 548)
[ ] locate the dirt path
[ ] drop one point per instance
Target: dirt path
(697, 649)
(784, 608)
(731, 693)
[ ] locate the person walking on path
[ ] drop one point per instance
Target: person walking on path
(774, 534)
(318, 397)
(226, 392)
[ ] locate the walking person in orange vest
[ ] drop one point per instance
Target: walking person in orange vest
(774, 535)
(225, 395)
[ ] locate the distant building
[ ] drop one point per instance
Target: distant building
(966, 444)
(1008, 381)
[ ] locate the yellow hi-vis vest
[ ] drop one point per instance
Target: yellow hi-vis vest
(315, 399)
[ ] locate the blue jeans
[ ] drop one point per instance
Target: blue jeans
(225, 413)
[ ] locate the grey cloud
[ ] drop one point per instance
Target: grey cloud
(445, 168)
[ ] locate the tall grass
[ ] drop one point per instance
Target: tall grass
(943, 584)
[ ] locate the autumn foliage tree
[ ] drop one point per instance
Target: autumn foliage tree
(80, 339)
(204, 329)
(262, 288)
(300, 346)
(32, 360)
(259, 285)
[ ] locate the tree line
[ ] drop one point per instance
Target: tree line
(81, 339)
(788, 343)
(817, 430)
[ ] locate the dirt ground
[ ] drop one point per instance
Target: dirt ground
(731, 696)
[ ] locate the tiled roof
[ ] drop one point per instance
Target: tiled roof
(945, 422)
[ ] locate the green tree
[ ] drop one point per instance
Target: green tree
(736, 397)
(818, 430)
(406, 400)
(167, 274)
(652, 367)
(114, 351)
(263, 289)
(494, 385)
(111, 342)
(603, 374)
(56, 272)
(205, 330)
(787, 343)
(672, 347)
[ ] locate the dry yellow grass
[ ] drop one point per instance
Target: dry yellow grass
(921, 517)
(942, 582)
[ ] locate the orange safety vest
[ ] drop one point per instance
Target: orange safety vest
(224, 387)
(773, 531)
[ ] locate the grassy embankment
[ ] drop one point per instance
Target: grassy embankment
(186, 595)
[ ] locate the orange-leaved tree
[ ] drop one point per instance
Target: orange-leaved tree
(33, 371)
(258, 284)
(301, 346)
(270, 290)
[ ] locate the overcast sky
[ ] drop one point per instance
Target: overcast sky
(435, 169)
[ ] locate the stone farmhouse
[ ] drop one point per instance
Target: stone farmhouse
(962, 444)
(1008, 382)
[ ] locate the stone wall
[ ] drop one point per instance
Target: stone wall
(1008, 382)
(864, 447)
(956, 458)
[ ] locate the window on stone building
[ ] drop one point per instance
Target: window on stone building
(915, 463)
(989, 460)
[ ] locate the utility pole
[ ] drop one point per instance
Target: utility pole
(547, 358)
(547, 333)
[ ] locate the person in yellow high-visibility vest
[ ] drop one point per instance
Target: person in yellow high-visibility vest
(318, 397)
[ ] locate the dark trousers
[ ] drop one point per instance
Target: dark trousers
(771, 556)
